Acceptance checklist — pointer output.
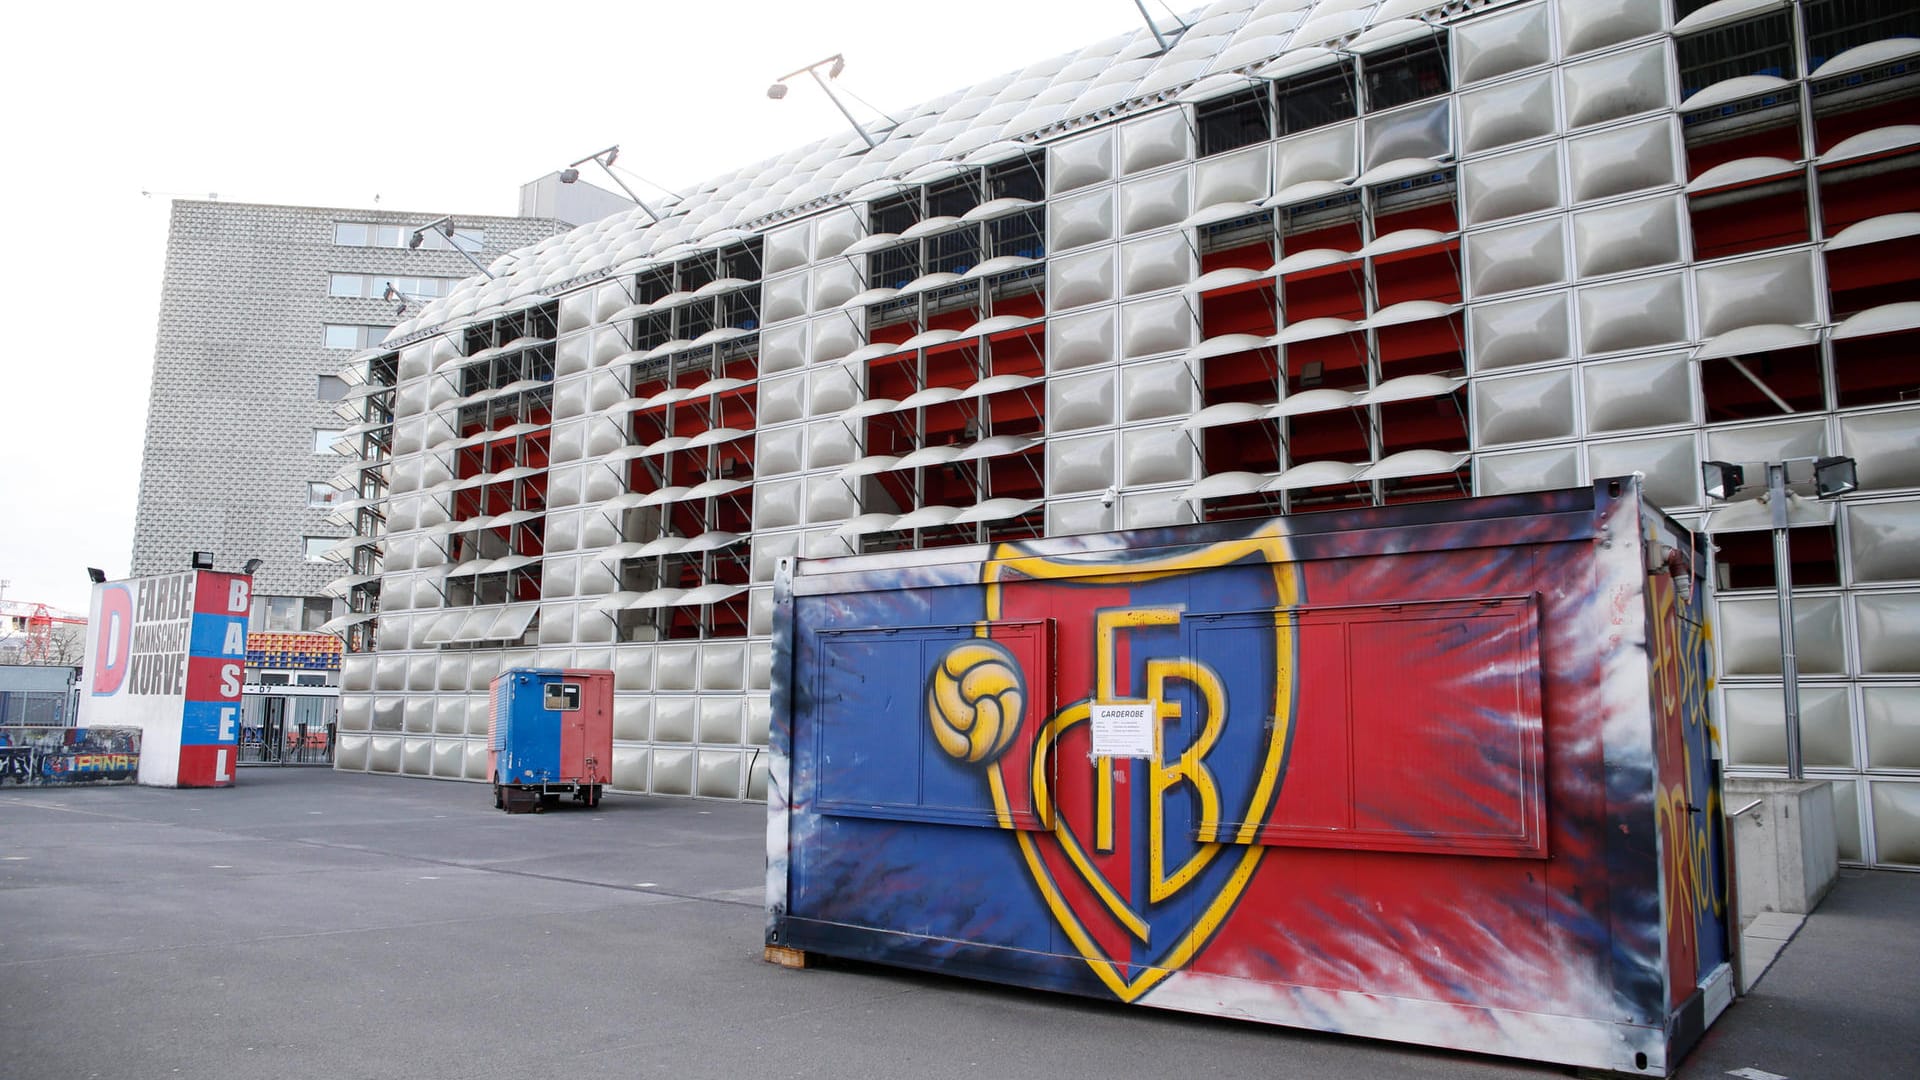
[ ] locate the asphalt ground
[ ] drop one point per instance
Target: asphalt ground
(308, 923)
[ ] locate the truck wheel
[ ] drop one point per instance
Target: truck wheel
(499, 801)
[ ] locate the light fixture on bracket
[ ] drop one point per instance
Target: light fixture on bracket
(604, 159)
(444, 226)
(835, 64)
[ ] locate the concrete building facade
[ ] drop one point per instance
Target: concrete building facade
(1290, 256)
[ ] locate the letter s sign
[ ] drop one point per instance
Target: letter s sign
(114, 640)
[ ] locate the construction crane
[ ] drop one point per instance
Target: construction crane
(39, 647)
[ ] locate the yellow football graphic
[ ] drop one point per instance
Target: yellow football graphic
(974, 701)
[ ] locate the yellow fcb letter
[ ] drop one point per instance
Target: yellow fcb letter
(974, 700)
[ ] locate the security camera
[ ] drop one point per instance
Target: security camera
(1109, 497)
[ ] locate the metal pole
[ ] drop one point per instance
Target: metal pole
(1783, 590)
(858, 130)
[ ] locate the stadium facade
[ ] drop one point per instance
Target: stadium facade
(1292, 256)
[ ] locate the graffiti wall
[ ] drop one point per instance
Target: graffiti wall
(37, 755)
(1395, 773)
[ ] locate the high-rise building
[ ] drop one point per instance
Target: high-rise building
(260, 306)
(1300, 255)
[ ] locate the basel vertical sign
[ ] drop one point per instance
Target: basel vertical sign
(166, 654)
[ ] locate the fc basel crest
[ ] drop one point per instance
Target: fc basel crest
(1139, 859)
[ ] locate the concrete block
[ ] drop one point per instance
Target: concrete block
(1785, 850)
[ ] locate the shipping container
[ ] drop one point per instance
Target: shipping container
(549, 733)
(1435, 772)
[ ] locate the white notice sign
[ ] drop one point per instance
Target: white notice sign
(1122, 730)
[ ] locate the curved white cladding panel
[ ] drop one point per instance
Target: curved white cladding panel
(1081, 219)
(450, 716)
(1082, 339)
(1081, 464)
(1519, 332)
(1417, 131)
(1893, 726)
(453, 672)
(1158, 325)
(1082, 278)
(723, 666)
(1617, 86)
(1524, 182)
(672, 772)
(787, 247)
(1152, 263)
(1889, 633)
(1077, 163)
(783, 348)
(572, 355)
(784, 298)
(1768, 442)
(1241, 176)
(1750, 292)
(1636, 314)
(834, 232)
(1491, 47)
(1884, 540)
(1616, 239)
(1080, 401)
(1670, 463)
(1586, 25)
(677, 666)
(1154, 140)
(1756, 725)
(1080, 516)
(1750, 636)
(829, 500)
(1517, 257)
(719, 720)
(632, 718)
(1330, 154)
(1157, 389)
(768, 550)
(1646, 392)
(1158, 455)
(1524, 408)
(834, 336)
(835, 283)
(356, 713)
(350, 752)
(776, 504)
(674, 719)
(1509, 113)
(1155, 201)
(1885, 447)
(417, 715)
(782, 399)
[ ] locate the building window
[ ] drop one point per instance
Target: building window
(1407, 74)
(315, 548)
(352, 335)
(289, 615)
(1761, 46)
(324, 438)
(1233, 122)
(1316, 99)
(330, 387)
(320, 493)
(374, 286)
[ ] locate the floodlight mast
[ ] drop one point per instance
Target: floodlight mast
(1827, 478)
(604, 159)
(839, 61)
(444, 226)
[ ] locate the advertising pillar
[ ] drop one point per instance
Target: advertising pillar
(167, 654)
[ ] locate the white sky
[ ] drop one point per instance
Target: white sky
(441, 107)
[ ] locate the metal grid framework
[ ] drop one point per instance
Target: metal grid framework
(1313, 255)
